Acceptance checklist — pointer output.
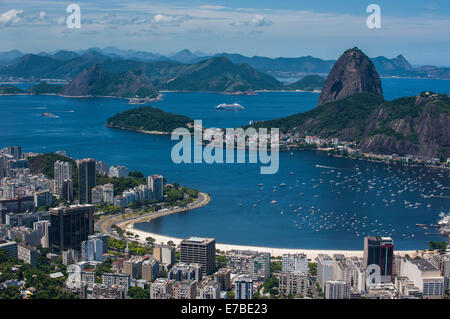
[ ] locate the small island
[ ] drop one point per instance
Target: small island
(310, 83)
(149, 120)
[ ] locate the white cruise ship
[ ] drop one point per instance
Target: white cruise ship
(225, 106)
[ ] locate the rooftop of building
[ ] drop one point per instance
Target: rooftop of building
(423, 264)
(197, 240)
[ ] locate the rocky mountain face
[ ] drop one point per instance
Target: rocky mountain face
(416, 126)
(95, 81)
(352, 73)
(82, 84)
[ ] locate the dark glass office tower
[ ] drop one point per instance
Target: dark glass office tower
(380, 251)
(200, 251)
(86, 179)
(70, 226)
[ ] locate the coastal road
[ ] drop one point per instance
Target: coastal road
(105, 224)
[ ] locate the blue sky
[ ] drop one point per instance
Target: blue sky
(418, 29)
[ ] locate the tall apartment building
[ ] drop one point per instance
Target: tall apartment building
(100, 168)
(341, 269)
(70, 225)
(133, 267)
(111, 279)
(103, 238)
(337, 290)
(86, 179)
(2, 166)
(97, 195)
(62, 172)
(186, 289)
(156, 184)
(209, 290)
(379, 251)
(247, 262)
(325, 269)
(294, 263)
(183, 271)
(92, 250)
(118, 171)
(69, 256)
(43, 227)
(89, 278)
(150, 269)
(67, 190)
(27, 254)
(161, 288)
(223, 279)
(165, 254)
(243, 287)
(108, 193)
(108, 292)
(291, 283)
(358, 275)
(196, 250)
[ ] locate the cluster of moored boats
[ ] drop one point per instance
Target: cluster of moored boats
(402, 189)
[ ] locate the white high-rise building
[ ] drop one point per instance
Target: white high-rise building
(97, 195)
(100, 168)
(108, 193)
(92, 250)
(325, 269)
(43, 227)
(62, 172)
(295, 263)
(243, 287)
(118, 171)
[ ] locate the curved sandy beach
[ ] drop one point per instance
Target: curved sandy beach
(275, 252)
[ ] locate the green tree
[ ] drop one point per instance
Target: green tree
(138, 293)
(12, 292)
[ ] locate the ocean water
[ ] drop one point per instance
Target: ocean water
(327, 203)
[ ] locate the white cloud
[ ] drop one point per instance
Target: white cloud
(10, 17)
(169, 20)
(257, 21)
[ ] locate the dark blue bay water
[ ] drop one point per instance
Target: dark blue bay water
(349, 199)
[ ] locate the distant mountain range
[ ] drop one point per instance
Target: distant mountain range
(278, 67)
(94, 74)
